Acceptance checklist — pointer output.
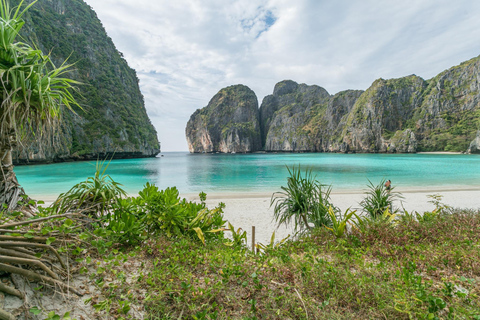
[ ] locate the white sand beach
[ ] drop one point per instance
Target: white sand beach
(244, 210)
(247, 210)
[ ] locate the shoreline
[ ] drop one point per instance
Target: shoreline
(268, 194)
(244, 210)
(442, 152)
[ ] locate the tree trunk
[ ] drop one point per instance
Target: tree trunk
(10, 191)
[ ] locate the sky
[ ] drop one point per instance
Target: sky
(185, 51)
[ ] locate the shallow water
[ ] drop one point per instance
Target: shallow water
(254, 173)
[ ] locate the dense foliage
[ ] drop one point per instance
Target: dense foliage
(414, 270)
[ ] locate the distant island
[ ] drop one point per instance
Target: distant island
(114, 121)
(403, 115)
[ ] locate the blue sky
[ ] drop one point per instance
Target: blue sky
(185, 51)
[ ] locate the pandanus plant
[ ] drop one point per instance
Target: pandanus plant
(304, 200)
(32, 92)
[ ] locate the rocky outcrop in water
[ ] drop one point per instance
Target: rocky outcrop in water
(402, 115)
(113, 120)
(229, 123)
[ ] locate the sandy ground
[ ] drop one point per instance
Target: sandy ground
(244, 211)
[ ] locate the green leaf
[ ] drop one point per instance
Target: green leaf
(50, 240)
(35, 310)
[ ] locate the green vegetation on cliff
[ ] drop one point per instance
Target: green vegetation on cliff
(229, 123)
(113, 118)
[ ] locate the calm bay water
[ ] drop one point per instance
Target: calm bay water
(227, 173)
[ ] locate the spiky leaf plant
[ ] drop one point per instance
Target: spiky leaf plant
(304, 200)
(378, 199)
(96, 194)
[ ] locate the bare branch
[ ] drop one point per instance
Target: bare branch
(32, 239)
(4, 315)
(11, 291)
(22, 223)
(18, 254)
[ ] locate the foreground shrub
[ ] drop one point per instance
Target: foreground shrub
(304, 200)
(378, 199)
(156, 212)
(391, 271)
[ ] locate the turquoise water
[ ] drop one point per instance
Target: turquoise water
(226, 173)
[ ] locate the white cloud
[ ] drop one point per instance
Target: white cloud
(184, 51)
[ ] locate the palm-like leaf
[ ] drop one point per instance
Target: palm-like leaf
(32, 88)
(100, 191)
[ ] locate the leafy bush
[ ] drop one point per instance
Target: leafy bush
(304, 200)
(157, 211)
(267, 248)
(385, 220)
(125, 225)
(239, 237)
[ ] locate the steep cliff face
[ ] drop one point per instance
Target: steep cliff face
(229, 123)
(327, 127)
(380, 112)
(450, 113)
(285, 115)
(403, 115)
(410, 114)
(113, 119)
(474, 146)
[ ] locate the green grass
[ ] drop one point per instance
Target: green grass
(408, 270)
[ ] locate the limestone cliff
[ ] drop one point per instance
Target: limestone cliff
(381, 112)
(402, 115)
(285, 115)
(449, 116)
(113, 119)
(326, 127)
(474, 146)
(229, 123)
